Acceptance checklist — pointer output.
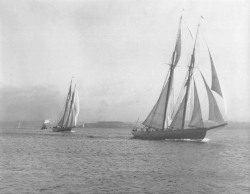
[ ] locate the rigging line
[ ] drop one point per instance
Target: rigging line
(136, 123)
(212, 132)
(191, 34)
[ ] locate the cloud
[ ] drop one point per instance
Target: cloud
(29, 103)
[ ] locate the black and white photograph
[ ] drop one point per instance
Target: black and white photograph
(124, 96)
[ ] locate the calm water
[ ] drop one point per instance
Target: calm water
(110, 161)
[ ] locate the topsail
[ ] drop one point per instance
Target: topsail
(215, 80)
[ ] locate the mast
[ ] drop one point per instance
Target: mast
(174, 61)
(190, 72)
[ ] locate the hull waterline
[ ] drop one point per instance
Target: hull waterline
(58, 129)
(195, 134)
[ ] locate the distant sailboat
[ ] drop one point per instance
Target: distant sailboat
(68, 118)
(18, 126)
(45, 124)
(164, 122)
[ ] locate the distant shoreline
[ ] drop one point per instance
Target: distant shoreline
(103, 124)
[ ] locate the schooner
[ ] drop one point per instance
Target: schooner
(164, 122)
(68, 117)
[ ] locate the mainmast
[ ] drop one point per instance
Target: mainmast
(190, 72)
(174, 61)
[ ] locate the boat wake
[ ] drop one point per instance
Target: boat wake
(190, 140)
(205, 140)
(107, 137)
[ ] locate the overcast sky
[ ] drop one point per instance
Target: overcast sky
(117, 51)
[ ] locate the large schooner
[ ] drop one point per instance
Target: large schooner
(165, 122)
(68, 118)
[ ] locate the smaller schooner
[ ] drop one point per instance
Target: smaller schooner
(165, 122)
(68, 118)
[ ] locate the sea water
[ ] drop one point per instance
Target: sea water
(111, 161)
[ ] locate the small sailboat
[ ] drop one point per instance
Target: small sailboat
(18, 126)
(169, 122)
(68, 117)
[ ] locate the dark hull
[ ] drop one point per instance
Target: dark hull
(58, 129)
(195, 134)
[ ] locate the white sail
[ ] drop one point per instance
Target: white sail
(177, 49)
(18, 125)
(191, 100)
(71, 120)
(155, 118)
(215, 80)
(170, 107)
(196, 119)
(214, 112)
(46, 121)
(76, 107)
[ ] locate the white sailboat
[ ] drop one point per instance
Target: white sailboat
(18, 126)
(68, 118)
(163, 122)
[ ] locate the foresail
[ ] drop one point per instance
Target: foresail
(215, 80)
(196, 119)
(156, 116)
(214, 112)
